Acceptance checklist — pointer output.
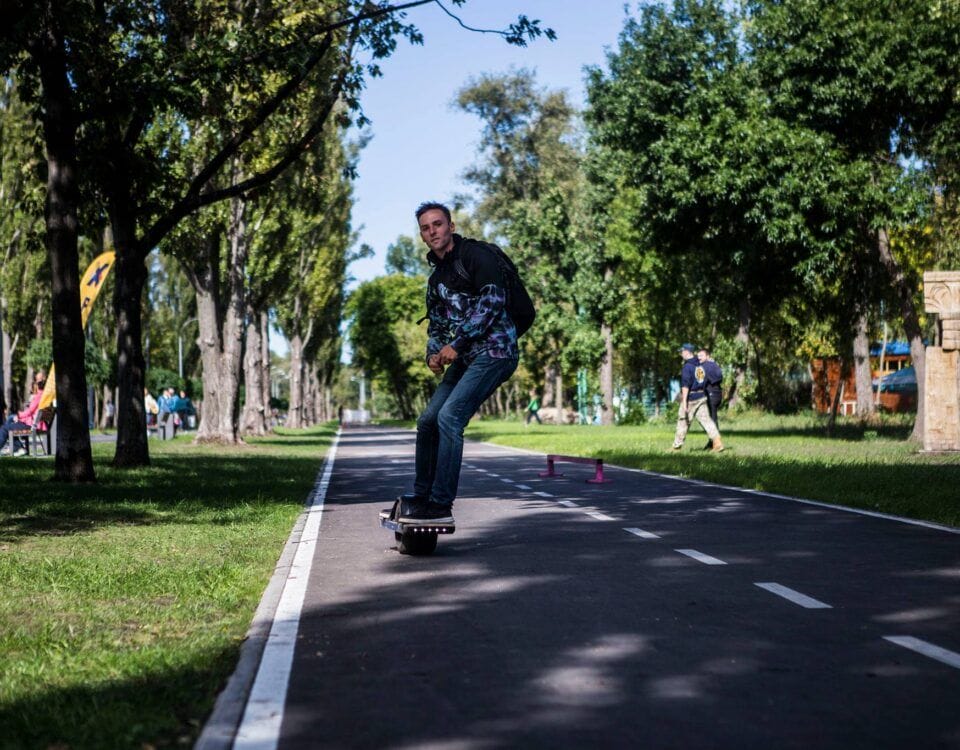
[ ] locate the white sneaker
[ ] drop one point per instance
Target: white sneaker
(20, 452)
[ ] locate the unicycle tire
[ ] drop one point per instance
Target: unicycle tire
(416, 542)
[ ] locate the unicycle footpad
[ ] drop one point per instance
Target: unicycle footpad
(413, 538)
(388, 521)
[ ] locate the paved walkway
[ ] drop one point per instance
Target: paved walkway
(647, 612)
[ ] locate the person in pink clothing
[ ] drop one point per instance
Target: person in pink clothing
(24, 420)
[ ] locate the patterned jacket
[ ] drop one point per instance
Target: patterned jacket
(469, 314)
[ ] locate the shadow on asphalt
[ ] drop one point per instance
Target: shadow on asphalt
(554, 629)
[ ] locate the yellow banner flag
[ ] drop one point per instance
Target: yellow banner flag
(90, 285)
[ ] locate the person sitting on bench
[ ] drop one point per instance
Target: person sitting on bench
(23, 420)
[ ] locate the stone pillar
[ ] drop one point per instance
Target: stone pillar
(941, 388)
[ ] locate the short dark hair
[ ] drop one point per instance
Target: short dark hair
(431, 206)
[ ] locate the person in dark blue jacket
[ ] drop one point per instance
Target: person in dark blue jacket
(714, 389)
(472, 344)
(693, 400)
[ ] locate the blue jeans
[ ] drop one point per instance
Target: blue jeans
(7, 427)
(440, 427)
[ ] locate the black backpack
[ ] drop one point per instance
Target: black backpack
(519, 305)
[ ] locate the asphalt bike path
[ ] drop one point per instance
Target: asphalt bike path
(646, 612)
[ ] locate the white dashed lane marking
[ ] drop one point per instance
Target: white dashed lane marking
(599, 516)
(524, 487)
(700, 557)
(808, 602)
(568, 503)
(507, 481)
(641, 533)
(543, 494)
(950, 658)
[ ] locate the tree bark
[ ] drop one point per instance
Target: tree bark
(295, 409)
(265, 373)
(9, 347)
(740, 368)
(209, 327)
(862, 371)
(221, 333)
(74, 460)
(130, 278)
(606, 375)
(911, 324)
(253, 420)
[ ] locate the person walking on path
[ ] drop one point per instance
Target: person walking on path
(533, 408)
(472, 344)
(23, 420)
(714, 389)
(693, 400)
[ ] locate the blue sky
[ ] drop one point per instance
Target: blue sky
(421, 145)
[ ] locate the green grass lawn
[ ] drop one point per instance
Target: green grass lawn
(123, 604)
(874, 468)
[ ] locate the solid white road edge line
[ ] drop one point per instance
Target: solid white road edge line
(700, 557)
(641, 533)
(796, 597)
(950, 658)
(260, 727)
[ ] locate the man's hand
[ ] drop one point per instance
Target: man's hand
(433, 362)
(447, 355)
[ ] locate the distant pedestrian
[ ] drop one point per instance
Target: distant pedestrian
(533, 408)
(693, 400)
(714, 387)
(150, 407)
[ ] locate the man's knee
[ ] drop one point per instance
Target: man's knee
(426, 422)
(450, 421)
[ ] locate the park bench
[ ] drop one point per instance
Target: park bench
(39, 439)
(166, 426)
(552, 458)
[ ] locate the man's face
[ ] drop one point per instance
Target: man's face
(686, 354)
(436, 231)
(702, 355)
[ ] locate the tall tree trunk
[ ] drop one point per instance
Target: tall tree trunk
(911, 324)
(740, 368)
(558, 392)
(9, 347)
(106, 395)
(210, 348)
(223, 346)
(74, 460)
(549, 381)
(295, 410)
(606, 375)
(309, 395)
(265, 373)
(253, 420)
(129, 279)
(862, 371)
